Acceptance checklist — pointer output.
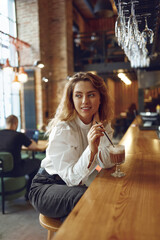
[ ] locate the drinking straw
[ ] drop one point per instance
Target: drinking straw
(107, 136)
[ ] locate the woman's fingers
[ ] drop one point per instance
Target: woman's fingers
(95, 133)
(97, 128)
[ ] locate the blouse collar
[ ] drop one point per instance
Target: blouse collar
(82, 124)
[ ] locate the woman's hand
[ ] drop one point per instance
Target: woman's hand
(93, 136)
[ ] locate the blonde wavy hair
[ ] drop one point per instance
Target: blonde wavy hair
(66, 110)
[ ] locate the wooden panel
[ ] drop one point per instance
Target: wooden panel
(111, 86)
(102, 24)
(125, 95)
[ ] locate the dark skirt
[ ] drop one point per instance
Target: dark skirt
(50, 195)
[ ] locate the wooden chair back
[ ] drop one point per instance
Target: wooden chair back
(10, 187)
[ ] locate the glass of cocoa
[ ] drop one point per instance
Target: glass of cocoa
(117, 156)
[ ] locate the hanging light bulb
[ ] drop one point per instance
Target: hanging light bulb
(7, 67)
(16, 83)
(22, 75)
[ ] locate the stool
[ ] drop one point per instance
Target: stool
(51, 224)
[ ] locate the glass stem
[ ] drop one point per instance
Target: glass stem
(117, 169)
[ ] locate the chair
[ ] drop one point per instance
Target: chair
(51, 224)
(10, 187)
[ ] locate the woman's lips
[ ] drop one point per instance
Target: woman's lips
(85, 108)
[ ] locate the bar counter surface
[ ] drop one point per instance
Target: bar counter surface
(126, 208)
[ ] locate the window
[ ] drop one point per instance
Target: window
(9, 97)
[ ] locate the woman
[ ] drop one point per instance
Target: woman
(76, 146)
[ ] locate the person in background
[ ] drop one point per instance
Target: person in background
(131, 114)
(12, 141)
(77, 145)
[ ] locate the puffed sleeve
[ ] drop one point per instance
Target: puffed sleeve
(104, 161)
(64, 156)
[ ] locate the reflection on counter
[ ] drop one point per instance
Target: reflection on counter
(158, 132)
(150, 121)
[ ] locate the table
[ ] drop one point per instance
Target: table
(127, 208)
(41, 147)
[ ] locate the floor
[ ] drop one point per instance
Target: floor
(20, 222)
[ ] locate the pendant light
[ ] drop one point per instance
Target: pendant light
(16, 83)
(7, 67)
(22, 75)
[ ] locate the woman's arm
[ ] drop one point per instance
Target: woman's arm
(66, 157)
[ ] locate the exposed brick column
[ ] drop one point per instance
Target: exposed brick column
(56, 43)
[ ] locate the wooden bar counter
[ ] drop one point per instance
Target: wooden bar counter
(126, 208)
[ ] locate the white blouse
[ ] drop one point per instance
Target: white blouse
(68, 153)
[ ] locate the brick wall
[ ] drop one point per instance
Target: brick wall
(28, 29)
(55, 17)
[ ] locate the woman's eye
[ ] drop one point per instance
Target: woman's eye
(78, 95)
(91, 95)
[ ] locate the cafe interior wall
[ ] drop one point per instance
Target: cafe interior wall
(47, 27)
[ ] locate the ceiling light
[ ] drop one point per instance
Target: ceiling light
(39, 64)
(123, 77)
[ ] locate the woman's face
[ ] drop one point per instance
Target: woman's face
(86, 100)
